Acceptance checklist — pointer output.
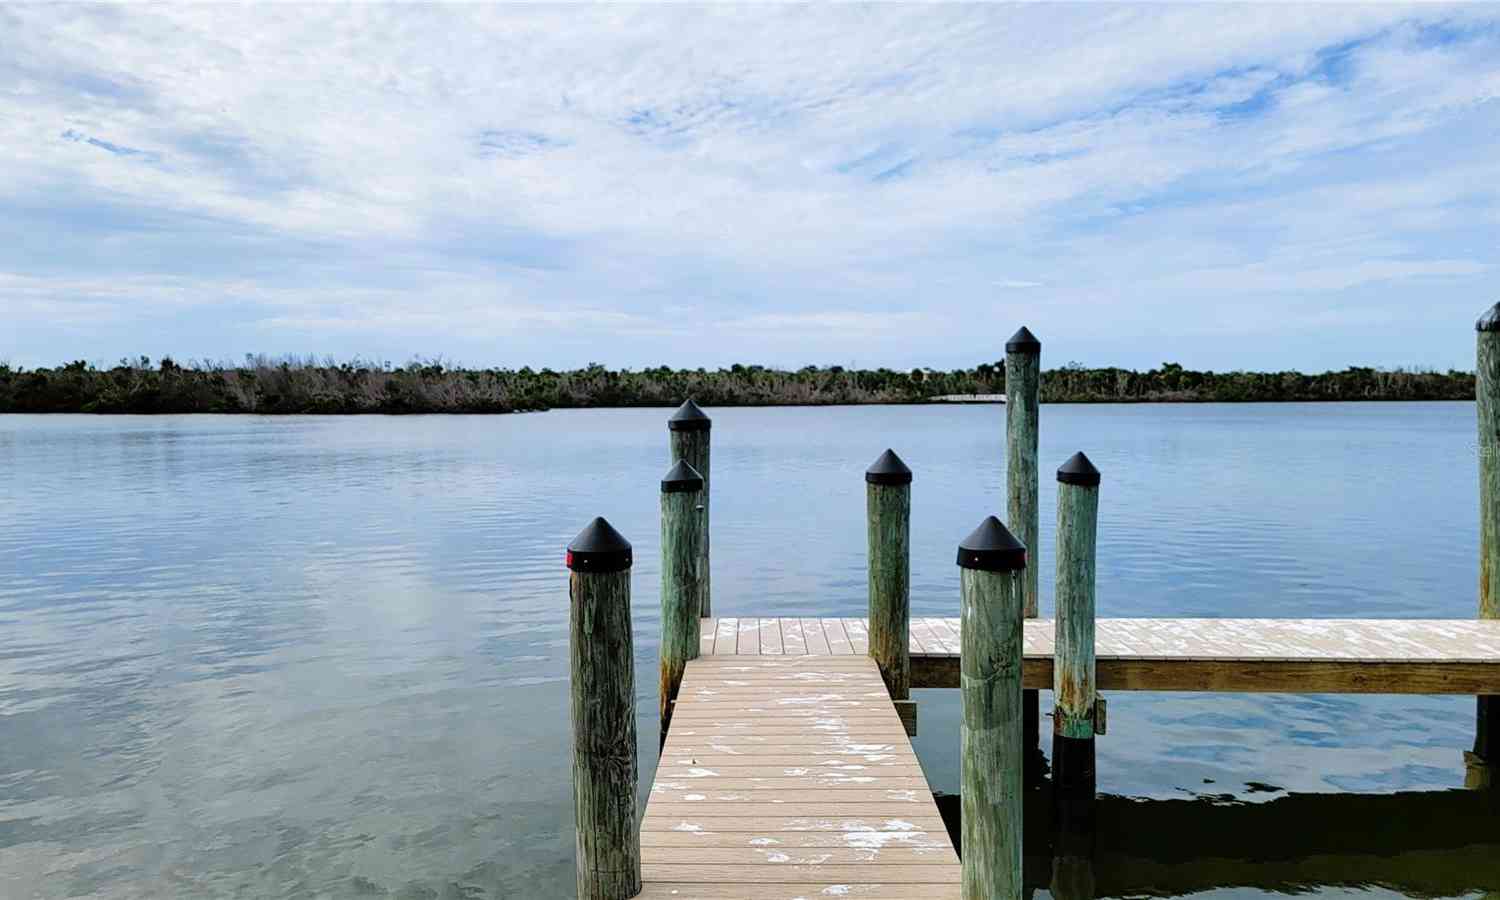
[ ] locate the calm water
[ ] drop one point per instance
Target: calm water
(327, 657)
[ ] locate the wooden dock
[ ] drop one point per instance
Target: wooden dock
(787, 772)
(1361, 656)
(789, 775)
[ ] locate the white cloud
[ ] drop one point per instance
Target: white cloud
(538, 185)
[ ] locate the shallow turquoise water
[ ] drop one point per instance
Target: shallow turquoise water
(327, 657)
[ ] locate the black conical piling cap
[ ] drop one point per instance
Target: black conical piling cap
(888, 469)
(689, 418)
(599, 548)
(681, 477)
(1490, 321)
(993, 548)
(1078, 470)
(1023, 341)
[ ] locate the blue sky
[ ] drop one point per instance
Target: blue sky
(1224, 186)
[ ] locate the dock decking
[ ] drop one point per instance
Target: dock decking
(1394, 656)
(790, 776)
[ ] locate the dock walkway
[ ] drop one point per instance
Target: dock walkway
(1365, 656)
(791, 776)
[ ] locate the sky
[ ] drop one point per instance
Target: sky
(1227, 187)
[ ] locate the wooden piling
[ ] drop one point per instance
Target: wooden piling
(888, 512)
(1074, 723)
(1487, 396)
(681, 589)
(1023, 379)
(603, 707)
(991, 752)
(688, 434)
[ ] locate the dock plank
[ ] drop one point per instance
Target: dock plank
(749, 637)
(817, 639)
(859, 635)
(838, 639)
(726, 638)
(792, 641)
(770, 637)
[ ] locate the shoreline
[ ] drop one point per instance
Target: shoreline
(268, 387)
(845, 404)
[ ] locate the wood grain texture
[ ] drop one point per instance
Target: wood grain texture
(888, 527)
(693, 446)
(604, 736)
(791, 775)
(990, 753)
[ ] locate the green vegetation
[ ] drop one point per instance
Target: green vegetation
(290, 385)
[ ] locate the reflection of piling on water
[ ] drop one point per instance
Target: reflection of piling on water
(1419, 843)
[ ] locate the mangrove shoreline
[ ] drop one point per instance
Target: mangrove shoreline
(290, 386)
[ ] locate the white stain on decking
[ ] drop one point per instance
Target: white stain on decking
(878, 840)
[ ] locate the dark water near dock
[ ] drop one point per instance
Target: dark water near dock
(327, 657)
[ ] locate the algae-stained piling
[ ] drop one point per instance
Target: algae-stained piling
(990, 746)
(888, 512)
(1023, 382)
(1074, 720)
(603, 708)
(1487, 402)
(681, 586)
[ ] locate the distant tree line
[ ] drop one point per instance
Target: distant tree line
(292, 385)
